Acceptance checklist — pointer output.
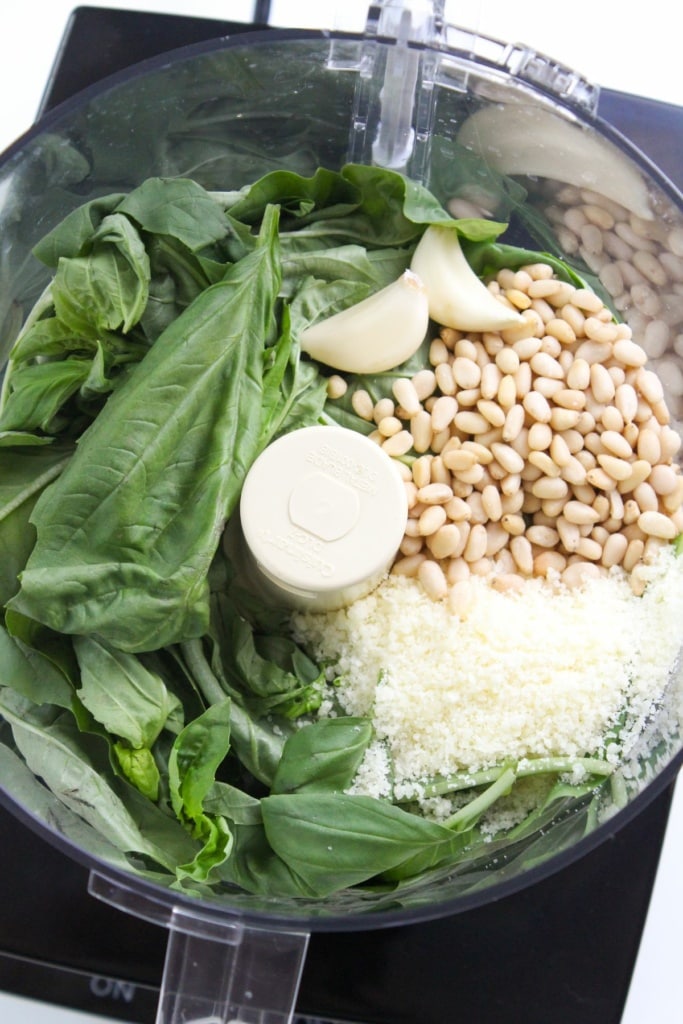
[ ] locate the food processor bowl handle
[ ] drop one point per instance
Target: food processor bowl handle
(219, 969)
(393, 101)
(228, 972)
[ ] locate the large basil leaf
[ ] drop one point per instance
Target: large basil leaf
(164, 461)
(121, 693)
(334, 840)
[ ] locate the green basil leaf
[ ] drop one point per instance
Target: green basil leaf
(323, 756)
(333, 840)
(197, 753)
(24, 473)
(31, 674)
(129, 700)
(106, 289)
(75, 767)
(178, 207)
(73, 234)
(38, 392)
(140, 768)
(233, 804)
(169, 483)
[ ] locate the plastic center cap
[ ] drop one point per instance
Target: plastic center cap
(323, 506)
(323, 511)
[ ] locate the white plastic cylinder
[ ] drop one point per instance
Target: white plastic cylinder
(323, 511)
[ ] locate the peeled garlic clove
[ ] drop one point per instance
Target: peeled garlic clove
(457, 297)
(377, 334)
(520, 139)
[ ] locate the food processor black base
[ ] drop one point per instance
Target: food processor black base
(561, 951)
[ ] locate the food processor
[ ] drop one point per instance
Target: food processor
(403, 95)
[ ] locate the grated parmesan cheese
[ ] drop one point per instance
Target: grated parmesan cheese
(546, 671)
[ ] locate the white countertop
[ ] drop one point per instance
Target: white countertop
(607, 44)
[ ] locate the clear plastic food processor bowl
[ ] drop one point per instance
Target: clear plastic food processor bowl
(419, 96)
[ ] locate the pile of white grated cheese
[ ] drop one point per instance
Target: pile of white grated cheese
(545, 671)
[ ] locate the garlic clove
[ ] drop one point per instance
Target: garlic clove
(520, 139)
(374, 335)
(457, 297)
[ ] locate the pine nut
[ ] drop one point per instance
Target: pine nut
(522, 554)
(438, 352)
(550, 487)
(656, 524)
(562, 419)
(589, 549)
(421, 430)
(672, 502)
(578, 375)
(513, 524)
(559, 451)
(634, 553)
(507, 361)
(542, 536)
(612, 419)
(640, 470)
(543, 461)
(424, 382)
(594, 351)
(506, 582)
(664, 479)
(646, 497)
(431, 520)
(476, 544)
(580, 513)
(434, 494)
(649, 386)
(559, 328)
(507, 457)
(439, 472)
(466, 372)
(444, 379)
(409, 565)
(526, 348)
(600, 479)
(614, 550)
(336, 386)
(490, 380)
(468, 422)
(629, 353)
(410, 545)
(568, 533)
(399, 444)
(507, 390)
(445, 542)
(492, 411)
(432, 579)
(362, 404)
(443, 412)
(537, 407)
(389, 425)
(406, 395)
(491, 501)
(616, 444)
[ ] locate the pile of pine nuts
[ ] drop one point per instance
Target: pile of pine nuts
(545, 450)
(639, 263)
